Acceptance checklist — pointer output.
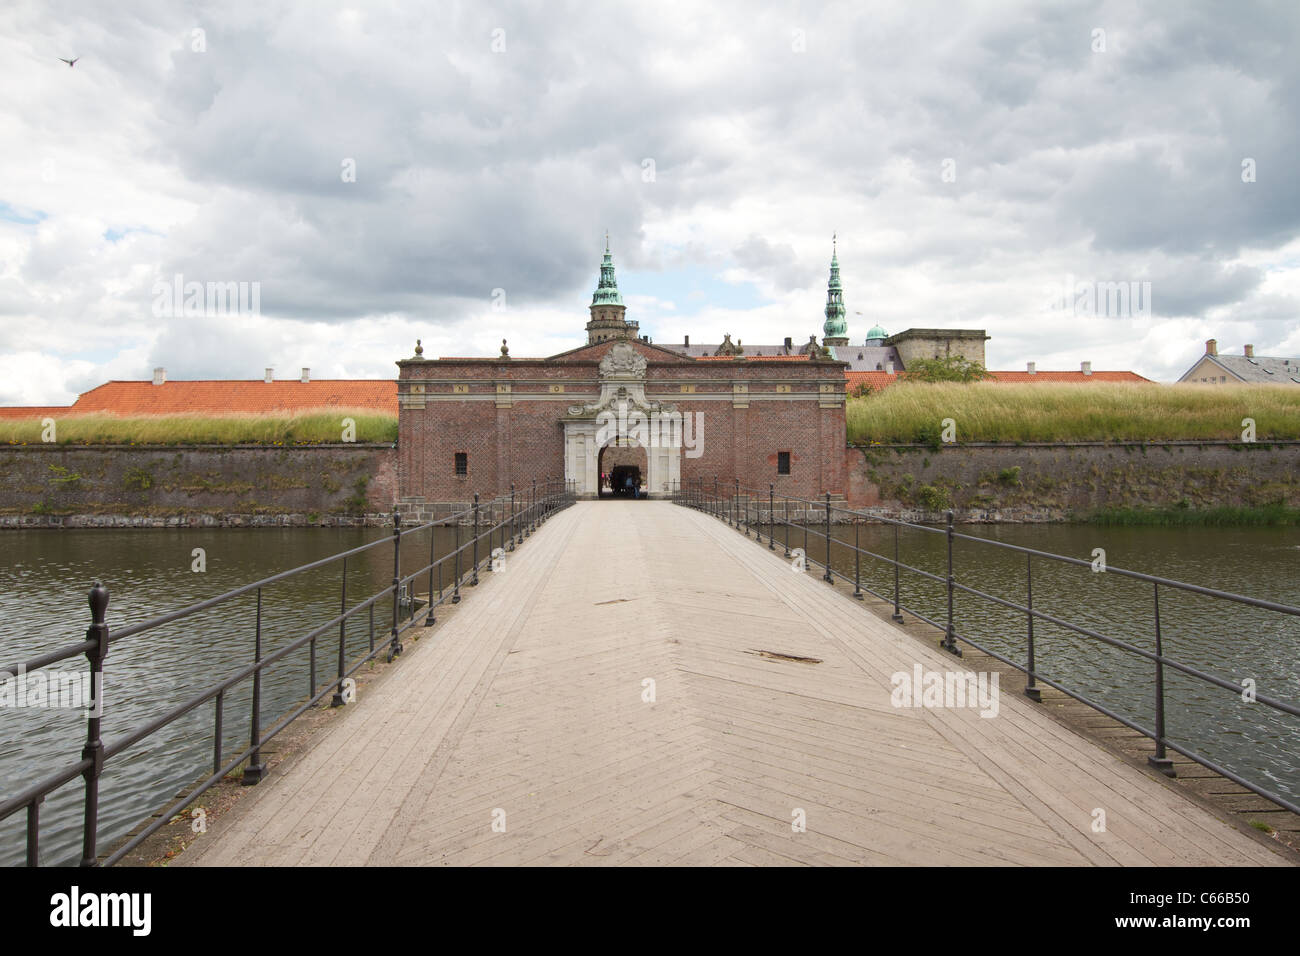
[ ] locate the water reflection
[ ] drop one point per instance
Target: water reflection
(44, 578)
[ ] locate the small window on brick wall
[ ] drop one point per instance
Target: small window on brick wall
(462, 463)
(783, 463)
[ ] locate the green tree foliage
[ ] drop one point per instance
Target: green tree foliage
(952, 368)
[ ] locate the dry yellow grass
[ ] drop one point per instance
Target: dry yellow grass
(1101, 411)
(316, 426)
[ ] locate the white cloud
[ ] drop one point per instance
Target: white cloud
(479, 170)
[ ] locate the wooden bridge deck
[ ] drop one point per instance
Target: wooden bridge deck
(528, 700)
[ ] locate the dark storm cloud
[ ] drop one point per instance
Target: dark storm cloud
(479, 170)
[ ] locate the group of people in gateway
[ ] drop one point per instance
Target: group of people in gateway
(621, 482)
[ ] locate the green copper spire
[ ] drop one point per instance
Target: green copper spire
(607, 289)
(836, 327)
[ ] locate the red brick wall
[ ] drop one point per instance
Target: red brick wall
(525, 441)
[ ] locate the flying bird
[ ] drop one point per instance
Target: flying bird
(71, 63)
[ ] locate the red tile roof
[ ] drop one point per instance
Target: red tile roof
(223, 398)
(1075, 376)
(876, 380)
(23, 412)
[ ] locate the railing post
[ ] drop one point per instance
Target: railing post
(337, 699)
(1160, 760)
(532, 510)
(785, 507)
(430, 620)
(395, 647)
(828, 577)
(34, 832)
(513, 523)
(455, 590)
(857, 561)
(771, 517)
(717, 500)
(898, 614)
(220, 708)
(735, 504)
(805, 531)
(94, 749)
(474, 580)
(1032, 691)
(949, 644)
(255, 770)
(311, 680)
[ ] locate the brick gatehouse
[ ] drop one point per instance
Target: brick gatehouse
(477, 425)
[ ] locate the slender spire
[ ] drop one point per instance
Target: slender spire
(607, 289)
(836, 327)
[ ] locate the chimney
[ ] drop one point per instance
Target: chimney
(1250, 351)
(1085, 368)
(688, 341)
(1211, 347)
(159, 375)
(788, 344)
(1031, 368)
(306, 375)
(270, 376)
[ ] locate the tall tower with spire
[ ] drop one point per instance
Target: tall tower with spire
(836, 329)
(607, 309)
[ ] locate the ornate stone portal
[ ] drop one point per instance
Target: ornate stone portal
(623, 415)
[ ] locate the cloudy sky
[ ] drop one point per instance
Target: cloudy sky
(447, 171)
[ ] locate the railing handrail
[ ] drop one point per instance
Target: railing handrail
(520, 514)
(1080, 562)
(709, 498)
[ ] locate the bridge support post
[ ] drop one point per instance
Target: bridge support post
(828, 577)
(433, 545)
(857, 562)
(786, 521)
(1032, 691)
(455, 590)
(254, 771)
(949, 643)
(514, 523)
(474, 578)
(897, 615)
(1160, 760)
(771, 517)
(94, 749)
(395, 647)
(337, 699)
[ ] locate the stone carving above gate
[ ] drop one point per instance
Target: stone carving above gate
(623, 362)
(622, 388)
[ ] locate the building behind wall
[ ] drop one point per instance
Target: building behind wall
(1246, 368)
(479, 425)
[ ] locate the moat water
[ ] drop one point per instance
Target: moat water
(44, 577)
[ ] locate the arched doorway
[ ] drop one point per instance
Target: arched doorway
(623, 418)
(624, 470)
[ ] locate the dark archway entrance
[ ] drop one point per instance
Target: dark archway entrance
(623, 471)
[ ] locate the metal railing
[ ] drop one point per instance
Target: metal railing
(742, 508)
(510, 518)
